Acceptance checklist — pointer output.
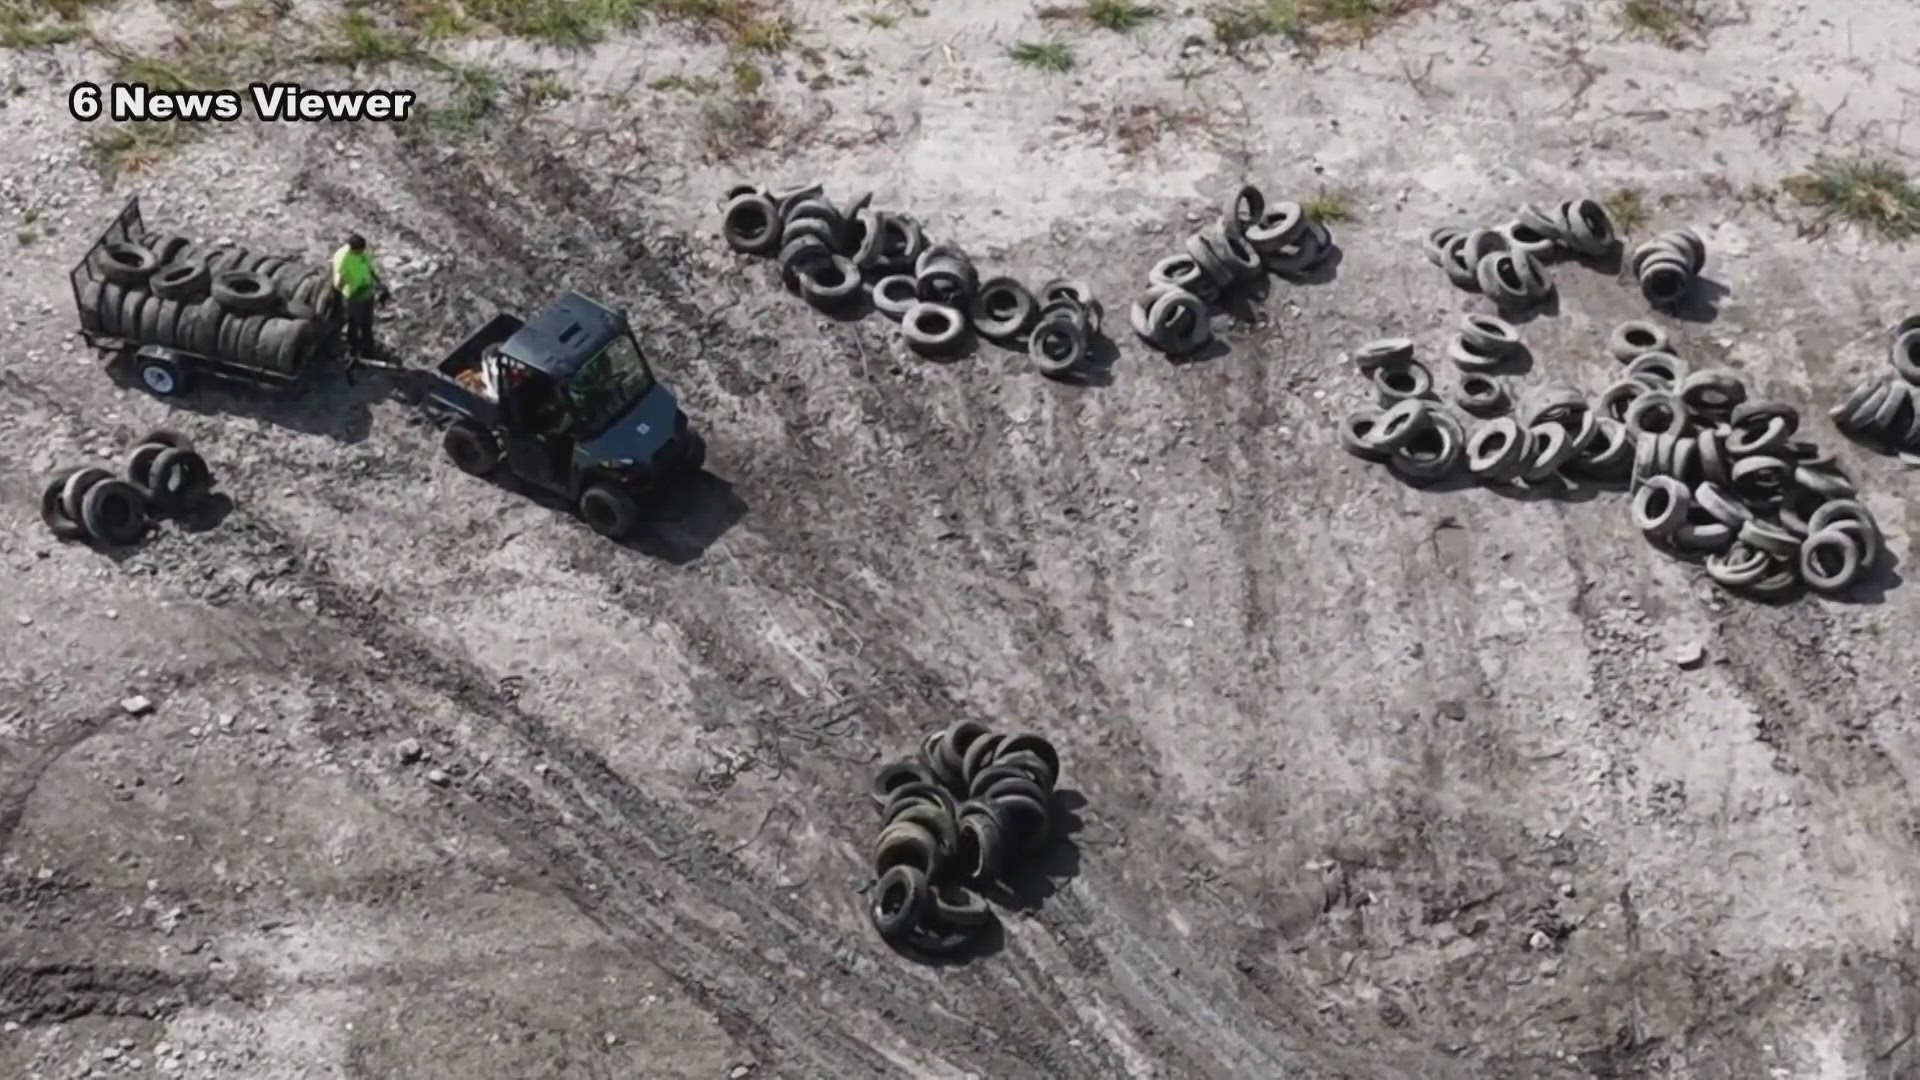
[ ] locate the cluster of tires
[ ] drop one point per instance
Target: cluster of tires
(165, 476)
(833, 256)
(1667, 266)
(952, 821)
(1507, 263)
(226, 303)
(1716, 475)
(1251, 239)
(1884, 410)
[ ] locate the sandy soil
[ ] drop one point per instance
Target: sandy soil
(1371, 782)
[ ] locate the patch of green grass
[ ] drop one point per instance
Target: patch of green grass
(568, 24)
(1626, 208)
(1053, 56)
(539, 88)
(1670, 22)
(1238, 22)
(747, 78)
(695, 84)
(1875, 195)
(879, 20)
(125, 149)
(357, 39)
(24, 34)
(1328, 205)
(474, 96)
(1120, 16)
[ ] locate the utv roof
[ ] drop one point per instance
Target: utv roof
(570, 332)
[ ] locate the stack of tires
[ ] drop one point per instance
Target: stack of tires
(228, 304)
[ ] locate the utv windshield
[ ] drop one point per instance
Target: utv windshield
(607, 386)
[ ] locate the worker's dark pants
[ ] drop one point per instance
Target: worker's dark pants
(360, 325)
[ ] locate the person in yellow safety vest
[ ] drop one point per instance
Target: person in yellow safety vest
(359, 287)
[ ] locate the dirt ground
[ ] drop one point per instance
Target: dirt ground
(1368, 782)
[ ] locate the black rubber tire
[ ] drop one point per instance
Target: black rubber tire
(981, 850)
(929, 790)
(167, 247)
(295, 344)
(167, 437)
(222, 259)
(243, 292)
(163, 378)
(246, 346)
(114, 512)
(893, 776)
(907, 844)
(203, 327)
(609, 511)
(106, 314)
(980, 755)
(89, 301)
(936, 819)
(166, 322)
(126, 265)
(178, 480)
(896, 903)
(935, 760)
(139, 462)
(79, 481)
(471, 448)
(959, 909)
(1027, 822)
(181, 281)
(1038, 746)
(1002, 773)
(269, 268)
(133, 304)
(303, 297)
(150, 320)
(229, 344)
(53, 514)
(275, 350)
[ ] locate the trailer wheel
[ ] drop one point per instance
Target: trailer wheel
(128, 265)
(54, 514)
(162, 377)
(472, 448)
(80, 481)
(114, 511)
(609, 511)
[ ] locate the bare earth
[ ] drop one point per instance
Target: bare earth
(1376, 783)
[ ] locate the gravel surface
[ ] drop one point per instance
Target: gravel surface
(385, 771)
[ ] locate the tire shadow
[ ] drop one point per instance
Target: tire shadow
(327, 402)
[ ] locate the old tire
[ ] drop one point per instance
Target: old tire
(897, 902)
(609, 511)
(126, 265)
(694, 457)
(139, 462)
(471, 448)
(114, 512)
(181, 281)
(53, 514)
(80, 481)
(162, 377)
(177, 480)
(932, 328)
(1002, 309)
(243, 292)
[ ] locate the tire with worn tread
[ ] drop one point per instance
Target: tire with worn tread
(52, 511)
(181, 281)
(114, 512)
(471, 448)
(610, 511)
(243, 292)
(126, 265)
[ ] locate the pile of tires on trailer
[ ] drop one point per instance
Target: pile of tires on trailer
(223, 303)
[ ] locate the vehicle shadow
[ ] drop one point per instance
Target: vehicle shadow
(677, 526)
(327, 402)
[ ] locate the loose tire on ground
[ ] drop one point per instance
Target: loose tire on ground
(244, 292)
(53, 514)
(609, 511)
(126, 265)
(114, 512)
(178, 480)
(161, 376)
(139, 462)
(472, 448)
(79, 482)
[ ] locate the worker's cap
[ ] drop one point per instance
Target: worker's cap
(356, 241)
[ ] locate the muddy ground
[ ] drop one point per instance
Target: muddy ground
(1370, 782)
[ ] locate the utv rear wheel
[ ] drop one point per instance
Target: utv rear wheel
(610, 511)
(472, 448)
(695, 456)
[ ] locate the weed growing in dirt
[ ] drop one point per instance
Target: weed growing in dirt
(357, 39)
(1120, 16)
(690, 84)
(1304, 21)
(743, 123)
(26, 24)
(1626, 209)
(475, 96)
(1672, 23)
(539, 88)
(1325, 205)
(1872, 194)
(1054, 56)
(125, 149)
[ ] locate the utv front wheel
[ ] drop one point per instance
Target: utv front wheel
(610, 511)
